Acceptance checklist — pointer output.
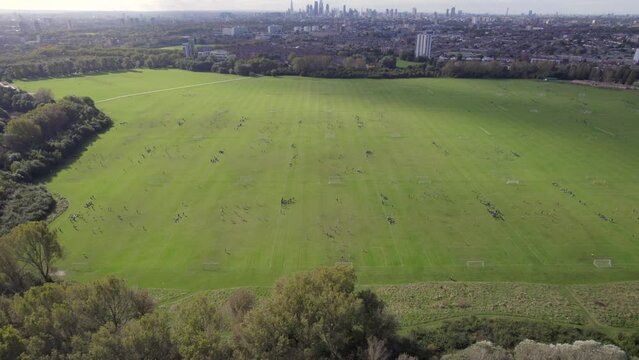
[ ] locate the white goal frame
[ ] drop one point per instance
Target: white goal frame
(475, 264)
(335, 180)
(81, 267)
(602, 263)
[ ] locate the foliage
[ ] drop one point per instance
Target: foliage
(35, 246)
(20, 203)
(388, 61)
(258, 65)
(44, 96)
(240, 303)
(198, 329)
(56, 320)
(591, 350)
(14, 100)
(41, 139)
(311, 64)
(507, 333)
(147, 338)
(315, 315)
(28, 254)
(11, 345)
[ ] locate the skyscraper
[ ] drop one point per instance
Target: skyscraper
(315, 8)
(447, 12)
(292, 10)
(452, 11)
(321, 7)
(636, 58)
(424, 45)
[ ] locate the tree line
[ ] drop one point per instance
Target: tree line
(58, 61)
(37, 135)
(32, 144)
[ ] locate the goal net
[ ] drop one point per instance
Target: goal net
(602, 263)
(475, 264)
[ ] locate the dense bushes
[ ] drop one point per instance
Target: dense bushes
(311, 315)
(36, 142)
(459, 334)
(20, 203)
(14, 100)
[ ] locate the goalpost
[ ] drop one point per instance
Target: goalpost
(602, 263)
(475, 264)
(335, 180)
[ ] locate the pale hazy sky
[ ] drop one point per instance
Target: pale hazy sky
(477, 6)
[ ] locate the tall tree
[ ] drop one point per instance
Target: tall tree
(198, 330)
(21, 134)
(311, 315)
(110, 301)
(36, 246)
(43, 96)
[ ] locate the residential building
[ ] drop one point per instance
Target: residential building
(424, 45)
(235, 31)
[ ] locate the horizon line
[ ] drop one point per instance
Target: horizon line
(300, 11)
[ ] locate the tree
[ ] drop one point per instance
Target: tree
(110, 301)
(240, 303)
(310, 315)
(36, 246)
(388, 61)
(13, 276)
(11, 343)
(377, 350)
(22, 134)
(198, 328)
(148, 338)
(43, 96)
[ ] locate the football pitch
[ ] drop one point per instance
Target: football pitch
(216, 181)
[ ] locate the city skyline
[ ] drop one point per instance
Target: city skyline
(468, 6)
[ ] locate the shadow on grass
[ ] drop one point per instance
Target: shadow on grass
(68, 161)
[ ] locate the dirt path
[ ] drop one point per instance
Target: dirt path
(170, 89)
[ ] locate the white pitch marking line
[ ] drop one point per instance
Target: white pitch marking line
(604, 131)
(484, 130)
(170, 89)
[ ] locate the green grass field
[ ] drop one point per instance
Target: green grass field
(404, 64)
(398, 177)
